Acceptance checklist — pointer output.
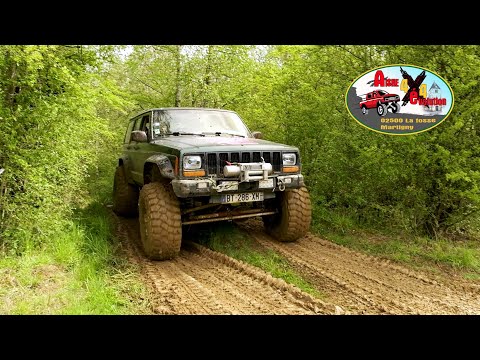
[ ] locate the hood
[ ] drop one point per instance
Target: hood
(189, 143)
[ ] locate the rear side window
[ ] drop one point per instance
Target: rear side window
(129, 131)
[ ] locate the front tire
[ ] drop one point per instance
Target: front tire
(160, 221)
(381, 109)
(125, 195)
(294, 217)
(364, 110)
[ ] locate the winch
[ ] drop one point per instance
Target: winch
(248, 171)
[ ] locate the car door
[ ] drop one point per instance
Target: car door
(127, 161)
(141, 150)
(136, 170)
(370, 102)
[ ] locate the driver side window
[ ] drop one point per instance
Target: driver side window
(146, 125)
(143, 124)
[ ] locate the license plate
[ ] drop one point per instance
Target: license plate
(242, 197)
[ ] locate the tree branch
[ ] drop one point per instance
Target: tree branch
(144, 83)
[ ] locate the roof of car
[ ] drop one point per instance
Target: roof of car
(176, 108)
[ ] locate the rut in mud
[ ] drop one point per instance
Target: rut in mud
(363, 284)
(201, 281)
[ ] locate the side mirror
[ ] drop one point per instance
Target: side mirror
(139, 136)
(257, 135)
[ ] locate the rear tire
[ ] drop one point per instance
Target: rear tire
(160, 221)
(125, 195)
(395, 107)
(294, 217)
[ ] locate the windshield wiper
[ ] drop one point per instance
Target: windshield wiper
(218, 133)
(177, 133)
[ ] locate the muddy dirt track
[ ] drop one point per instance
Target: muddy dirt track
(201, 281)
(363, 284)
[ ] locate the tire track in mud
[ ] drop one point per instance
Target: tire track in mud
(364, 284)
(202, 281)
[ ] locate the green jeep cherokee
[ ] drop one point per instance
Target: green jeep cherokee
(184, 166)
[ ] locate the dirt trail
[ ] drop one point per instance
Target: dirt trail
(201, 281)
(363, 284)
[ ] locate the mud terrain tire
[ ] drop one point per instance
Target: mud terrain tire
(125, 195)
(294, 217)
(160, 221)
(381, 109)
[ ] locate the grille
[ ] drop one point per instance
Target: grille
(267, 157)
(223, 159)
(392, 98)
(235, 157)
(211, 163)
(277, 162)
(216, 161)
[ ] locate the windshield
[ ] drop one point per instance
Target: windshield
(198, 121)
(382, 92)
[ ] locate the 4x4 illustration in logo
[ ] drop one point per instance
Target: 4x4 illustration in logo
(404, 99)
(380, 100)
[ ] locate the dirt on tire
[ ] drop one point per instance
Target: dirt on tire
(294, 218)
(201, 281)
(125, 195)
(363, 284)
(160, 221)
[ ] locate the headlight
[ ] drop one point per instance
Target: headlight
(289, 159)
(191, 162)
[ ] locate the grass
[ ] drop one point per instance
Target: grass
(451, 255)
(227, 239)
(80, 271)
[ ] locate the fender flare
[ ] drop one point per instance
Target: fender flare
(164, 165)
(122, 160)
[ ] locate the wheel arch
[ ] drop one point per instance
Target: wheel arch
(159, 168)
(121, 161)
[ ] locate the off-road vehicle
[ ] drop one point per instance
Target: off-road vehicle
(185, 166)
(381, 100)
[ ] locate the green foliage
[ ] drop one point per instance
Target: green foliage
(419, 251)
(53, 136)
(77, 272)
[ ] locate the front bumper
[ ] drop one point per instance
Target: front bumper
(208, 187)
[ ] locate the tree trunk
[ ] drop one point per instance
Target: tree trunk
(207, 78)
(177, 79)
